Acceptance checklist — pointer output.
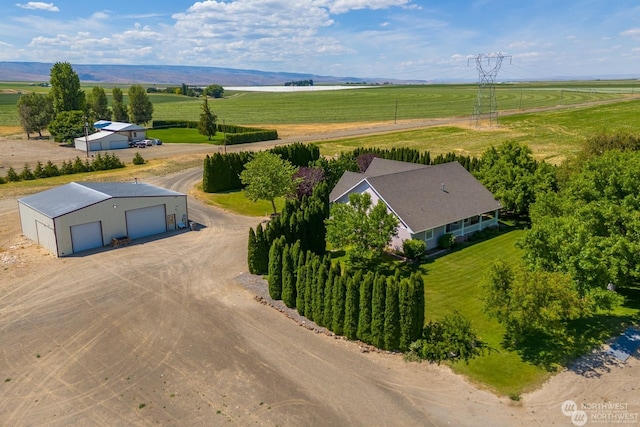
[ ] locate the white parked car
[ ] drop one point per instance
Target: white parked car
(148, 142)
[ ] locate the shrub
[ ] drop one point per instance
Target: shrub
(138, 159)
(12, 176)
(414, 249)
(453, 337)
(446, 241)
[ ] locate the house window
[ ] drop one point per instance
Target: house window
(453, 226)
(427, 234)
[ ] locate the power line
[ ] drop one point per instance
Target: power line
(486, 106)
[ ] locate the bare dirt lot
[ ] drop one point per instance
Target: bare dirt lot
(163, 332)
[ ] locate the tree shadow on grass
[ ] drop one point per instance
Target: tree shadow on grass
(552, 350)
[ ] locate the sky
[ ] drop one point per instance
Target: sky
(431, 40)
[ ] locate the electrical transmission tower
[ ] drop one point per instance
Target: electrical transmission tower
(486, 106)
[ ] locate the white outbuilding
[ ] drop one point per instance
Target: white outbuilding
(86, 215)
(110, 136)
(102, 140)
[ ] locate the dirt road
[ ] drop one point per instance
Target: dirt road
(161, 332)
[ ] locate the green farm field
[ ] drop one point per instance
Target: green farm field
(383, 103)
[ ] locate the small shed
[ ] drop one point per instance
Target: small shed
(80, 216)
(102, 140)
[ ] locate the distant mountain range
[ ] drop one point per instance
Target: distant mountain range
(173, 74)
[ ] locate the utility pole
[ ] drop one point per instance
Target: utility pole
(86, 135)
(486, 106)
(395, 115)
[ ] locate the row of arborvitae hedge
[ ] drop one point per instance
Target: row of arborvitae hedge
(232, 134)
(300, 221)
(405, 154)
(385, 311)
(222, 171)
(99, 162)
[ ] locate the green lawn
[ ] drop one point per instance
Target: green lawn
(183, 135)
(452, 282)
(237, 202)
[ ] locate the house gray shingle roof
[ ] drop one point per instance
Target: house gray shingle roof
(73, 196)
(416, 194)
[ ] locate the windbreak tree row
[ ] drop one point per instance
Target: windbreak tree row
(222, 171)
(386, 311)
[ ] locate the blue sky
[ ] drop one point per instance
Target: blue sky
(396, 39)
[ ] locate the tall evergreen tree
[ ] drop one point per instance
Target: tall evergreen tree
(301, 280)
(351, 306)
(366, 297)
(391, 316)
(262, 251)
(418, 288)
(407, 311)
(288, 278)
(207, 123)
(252, 251)
(308, 288)
(378, 310)
(321, 279)
(275, 269)
(339, 294)
(328, 294)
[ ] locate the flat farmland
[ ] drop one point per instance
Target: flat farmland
(382, 103)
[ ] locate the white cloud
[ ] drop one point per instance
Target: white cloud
(343, 6)
(633, 33)
(38, 5)
(521, 45)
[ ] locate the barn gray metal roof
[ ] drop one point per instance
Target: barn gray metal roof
(423, 197)
(74, 196)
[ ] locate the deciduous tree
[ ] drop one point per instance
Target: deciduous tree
(215, 91)
(98, 104)
(35, 111)
(140, 107)
(266, 177)
(119, 109)
(362, 230)
(67, 125)
(65, 88)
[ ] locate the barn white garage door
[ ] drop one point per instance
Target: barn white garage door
(146, 221)
(86, 236)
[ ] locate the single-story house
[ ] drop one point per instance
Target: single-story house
(111, 136)
(428, 201)
(80, 216)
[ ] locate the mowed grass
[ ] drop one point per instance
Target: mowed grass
(238, 203)
(184, 135)
(453, 282)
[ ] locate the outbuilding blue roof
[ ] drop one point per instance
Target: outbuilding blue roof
(73, 196)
